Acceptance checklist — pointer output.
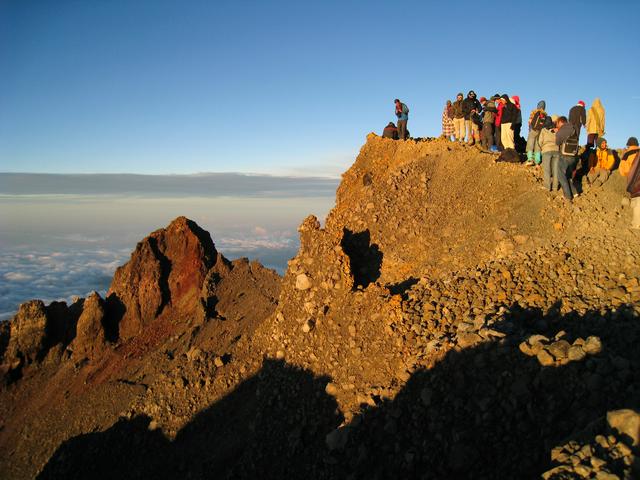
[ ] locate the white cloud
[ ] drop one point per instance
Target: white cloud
(17, 276)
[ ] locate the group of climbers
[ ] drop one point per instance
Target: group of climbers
(552, 141)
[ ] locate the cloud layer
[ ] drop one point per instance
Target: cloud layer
(60, 275)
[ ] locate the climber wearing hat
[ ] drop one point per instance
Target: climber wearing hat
(601, 162)
(578, 117)
(468, 105)
(458, 118)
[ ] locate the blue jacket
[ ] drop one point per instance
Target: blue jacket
(405, 113)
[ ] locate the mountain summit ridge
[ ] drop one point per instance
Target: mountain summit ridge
(450, 319)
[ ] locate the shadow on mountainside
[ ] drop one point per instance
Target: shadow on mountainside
(365, 257)
(489, 411)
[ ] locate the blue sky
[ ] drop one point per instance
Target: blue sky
(155, 86)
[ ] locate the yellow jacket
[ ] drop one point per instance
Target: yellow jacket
(595, 118)
(627, 159)
(603, 159)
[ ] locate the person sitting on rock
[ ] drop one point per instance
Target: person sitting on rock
(629, 155)
(601, 163)
(390, 131)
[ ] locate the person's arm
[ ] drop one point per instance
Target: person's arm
(561, 135)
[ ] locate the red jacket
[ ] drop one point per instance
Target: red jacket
(499, 114)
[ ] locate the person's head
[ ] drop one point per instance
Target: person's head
(554, 118)
(561, 121)
(471, 94)
(602, 143)
(504, 98)
(581, 103)
(448, 103)
(391, 124)
(542, 105)
(632, 142)
(460, 96)
(483, 100)
(396, 101)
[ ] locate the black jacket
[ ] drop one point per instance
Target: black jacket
(577, 117)
(509, 113)
(469, 104)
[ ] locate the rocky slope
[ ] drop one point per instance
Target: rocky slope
(450, 320)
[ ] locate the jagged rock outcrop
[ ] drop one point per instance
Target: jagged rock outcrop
(166, 271)
(35, 331)
(91, 332)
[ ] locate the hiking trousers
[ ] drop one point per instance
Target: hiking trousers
(458, 129)
(598, 176)
(565, 172)
(402, 129)
(550, 170)
(635, 212)
(506, 135)
(472, 131)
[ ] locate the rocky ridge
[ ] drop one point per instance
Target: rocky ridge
(450, 320)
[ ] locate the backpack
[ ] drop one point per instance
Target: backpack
(570, 146)
(405, 109)
(537, 122)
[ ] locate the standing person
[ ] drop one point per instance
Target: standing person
(595, 122)
(633, 189)
(488, 122)
(536, 122)
(458, 118)
(578, 117)
(447, 121)
(498, 122)
(470, 104)
(629, 155)
(568, 142)
(517, 126)
(601, 165)
(402, 112)
(550, 155)
(507, 121)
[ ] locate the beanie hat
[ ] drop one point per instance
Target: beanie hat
(581, 103)
(542, 105)
(460, 95)
(482, 99)
(632, 142)
(600, 140)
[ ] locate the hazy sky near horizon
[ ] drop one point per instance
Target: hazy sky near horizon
(55, 245)
(285, 87)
